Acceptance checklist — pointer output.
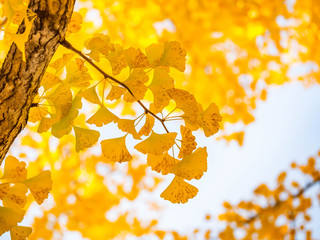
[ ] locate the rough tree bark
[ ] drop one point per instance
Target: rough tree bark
(19, 80)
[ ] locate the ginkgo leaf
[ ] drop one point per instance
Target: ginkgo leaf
(128, 125)
(49, 80)
(60, 63)
(154, 54)
(45, 124)
(102, 117)
(77, 74)
(9, 217)
(184, 101)
(160, 83)
(115, 150)
(174, 55)
(209, 120)
(135, 83)
(179, 191)
(22, 38)
(161, 163)
(100, 43)
(156, 143)
(115, 93)
(171, 54)
(147, 127)
(64, 126)
(16, 197)
(192, 166)
(188, 142)
(61, 95)
(20, 232)
(117, 59)
(74, 25)
(135, 58)
(40, 186)
(91, 95)
(85, 138)
(10, 9)
(14, 170)
(36, 114)
(4, 189)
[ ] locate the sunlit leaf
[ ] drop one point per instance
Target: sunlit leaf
(192, 166)
(156, 143)
(179, 191)
(85, 138)
(20, 233)
(9, 217)
(102, 117)
(14, 170)
(40, 186)
(115, 150)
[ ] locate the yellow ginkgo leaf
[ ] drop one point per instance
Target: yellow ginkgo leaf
(91, 95)
(49, 80)
(9, 217)
(10, 8)
(184, 101)
(147, 127)
(20, 232)
(115, 93)
(135, 58)
(188, 142)
(154, 54)
(117, 59)
(77, 74)
(45, 124)
(115, 150)
(74, 25)
(179, 191)
(102, 117)
(14, 170)
(160, 83)
(209, 120)
(36, 114)
(4, 189)
(60, 63)
(64, 126)
(22, 38)
(170, 55)
(85, 138)
(16, 197)
(135, 82)
(161, 163)
(62, 95)
(100, 43)
(40, 186)
(127, 125)
(157, 143)
(192, 166)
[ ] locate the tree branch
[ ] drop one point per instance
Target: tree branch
(19, 80)
(278, 203)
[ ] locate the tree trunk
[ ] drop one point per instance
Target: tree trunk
(19, 80)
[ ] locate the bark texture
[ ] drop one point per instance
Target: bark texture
(19, 80)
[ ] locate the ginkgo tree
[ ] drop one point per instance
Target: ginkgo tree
(72, 78)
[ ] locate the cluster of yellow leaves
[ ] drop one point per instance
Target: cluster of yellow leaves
(65, 99)
(279, 213)
(88, 189)
(14, 186)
